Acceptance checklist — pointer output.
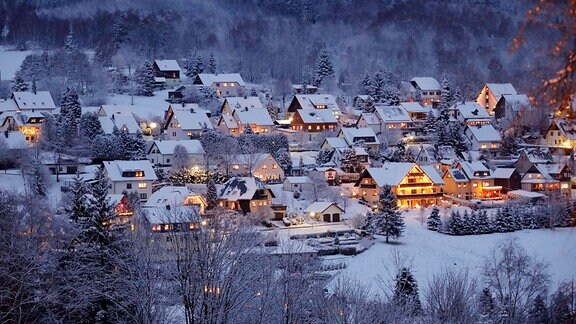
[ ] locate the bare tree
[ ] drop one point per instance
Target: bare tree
(451, 297)
(318, 188)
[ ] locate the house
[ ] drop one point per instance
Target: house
(508, 178)
(414, 185)
(481, 181)
(561, 132)
(331, 143)
(429, 88)
(363, 102)
(511, 107)
(312, 122)
(60, 163)
(130, 176)
(457, 184)
(304, 89)
(119, 116)
(470, 113)
(530, 156)
(176, 95)
(240, 103)
(235, 124)
(330, 174)
(167, 69)
(296, 183)
(245, 194)
(393, 119)
(28, 123)
(537, 179)
(185, 122)
(416, 111)
(369, 120)
(491, 94)
(562, 173)
(223, 84)
(325, 211)
(354, 136)
(161, 153)
(260, 165)
(29, 102)
(169, 197)
(314, 101)
(483, 137)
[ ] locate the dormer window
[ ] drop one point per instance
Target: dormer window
(132, 174)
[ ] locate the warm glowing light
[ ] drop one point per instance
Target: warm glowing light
(153, 125)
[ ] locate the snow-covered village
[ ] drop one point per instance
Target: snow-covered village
(287, 161)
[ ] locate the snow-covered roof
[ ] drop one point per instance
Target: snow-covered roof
(313, 101)
(167, 65)
(14, 140)
(160, 79)
(208, 79)
(176, 215)
(259, 117)
(336, 142)
(484, 133)
(229, 121)
(525, 194)
(391, 114)
(359, 151)
(297, 180)
(240, 188)
(169, 196)
(471, 110)
(300, 86)
(308, 158)
(427, 83)
(353, 135)
(538, 154)
(502, 173)
(125, 123)
(29, 100)
(371, 118)
(8, 105)
(552, 168)
(392, 173)
(365, 97)
(475, 169)
(414, 107)
(320, 207)
(116, 110)
(116, 168)
(255, 160)
(317, 116)
(517, 101)
(191, 146)
(499, 89)
(567, 128)
(115, 199)
(458, 175)
(196, 120)
(244, 103)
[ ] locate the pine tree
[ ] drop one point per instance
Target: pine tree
(483, 224)
(37, 183)
(323, 156)
(211, 194)
(456, 138)
(430, 125)
(377, 85)
(434, 223)
(284, 159)
(538, 313)
(78, 200)
(145, 79)
(505, 220)
(70, 43)
(138, 147)
(406, 291)
(366, 85)
(566, 216)
(212, 64)
(390, 95)
(387, 219)
(18, 84)
(272, 110)
(560, 307)
(49, 139)
(324, 68)
(198, 64)
(456, 224)
(306, 81)
(457, 97)
(90, 125)
(486, 306)
(349, 160)
(248, 130)
(446, 92)
(70, 103)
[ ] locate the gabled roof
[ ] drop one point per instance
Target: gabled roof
(167, 146)
(503, 173)
(297, 180)
(176, 215)
(114, 169)
(426, 83)
(392, 173)
(259, 117)
(28, 100)
(196, 120)
(320, 206)
(14, 140)
(228, 121)
(167, 65)
(516, 102)
(538, 169)
(414, 107)
(391, 114)
(208, 79)
(370, 118)
(353, 135)
(117, 110)
(169, 195)
(120, 122)
(311, 101)
(317, 116)
(499, 89)
(484, 133)
(471, 110)
(240, 188)
(335, 142)
(8, 105)
(538, 155)
(243, 103)
(471, 168)
(567, 128)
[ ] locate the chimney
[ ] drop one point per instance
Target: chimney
(192, 110)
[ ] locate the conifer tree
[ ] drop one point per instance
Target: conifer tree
(538, 313)
(37, 184)
(248, 130)
(90, 125)
(349, 160)
(387, 219)
(483, 224)
(457, 97)
(323, 156)
(434, 223)
(77, 209)
(272, 110)
(211, 64)
(70, 43)
(377, 85)
(446, 92)
(145, 79)
(70, 103)
(366, 85)
(561, 306)
(138, 147)
(324, 68)
(211, 194)
(284, 159)
(406, 291)
(18, 84)
(456, 224)
(49, 139)
(430, 125)
(486, 306)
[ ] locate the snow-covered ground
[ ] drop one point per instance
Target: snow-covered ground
(144, 108)
(10, 61)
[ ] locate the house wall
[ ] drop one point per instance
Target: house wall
(117, 187)
(456, 189)
(175, 132)
(168, 159)
(331, 214)
(554, 137)
(227, 89)
(266, 170)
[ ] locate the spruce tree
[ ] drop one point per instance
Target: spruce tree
(430, 125)
(145, 79)
(49, 139)
(211, 194)
(90, 125)
(538, 313)
(560, 307)
(284, 159)
(446, 92)
(324, 68)
(366, 85)
(406, 291)
(272, 110)
(37, 182)
(349, 160)
(434, 223)
(212, 64)
(77, 208)
(70, 42)
(138, 147)
(18, 84)
(387, 219)
(457, 97)
(198, 64)
(70, 103)
(377, 85)
(248, 130)
(483, 224)
(456, 224)
(486, 306)
(323, 156)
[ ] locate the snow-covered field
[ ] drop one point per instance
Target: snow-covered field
(10, 61)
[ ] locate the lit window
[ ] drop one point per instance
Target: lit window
(232, 84)
(274, 166)
(264, 166)
(139, 173)
(309, 127)
(474, 185)
(254, 204)
(142, 185)
(189, 133)
(318, 127)
(224, 84)
(235, 167)
(166, 227)
(483, 146)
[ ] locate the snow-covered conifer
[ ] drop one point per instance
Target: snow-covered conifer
(145, 79)
(211, 194)
(406, 291)
(18, 84)
(365, 87)
(211, 64)
(434, 223)
(37, 181)
(387, 219)
(90, 125)
(324, 68)
(78, 200)
(349, 160)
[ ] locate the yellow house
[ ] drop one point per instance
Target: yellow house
(456, 184)
(561, 132)
(481, 182)
(260, 165)
(413, 184)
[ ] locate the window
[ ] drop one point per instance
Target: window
(232, 85)
(483, 146)
(174, 134)
(413, 191)
(274, 166)
(142, 185)
(224, 84)
(128, 186)
(475, 185)
(167, 160)
(143, 196)
(264, 166)
(235, 167)
(309, 127)
(189, 134)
